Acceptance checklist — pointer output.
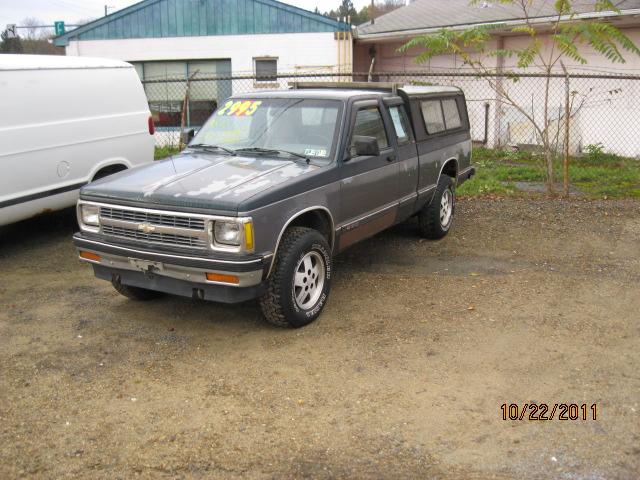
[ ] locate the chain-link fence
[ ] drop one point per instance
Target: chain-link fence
(585, 116)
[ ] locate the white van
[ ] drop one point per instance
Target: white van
(65, 121)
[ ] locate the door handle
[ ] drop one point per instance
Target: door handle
(391, 158)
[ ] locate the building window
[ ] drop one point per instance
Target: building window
(266, 70)
(166, 87)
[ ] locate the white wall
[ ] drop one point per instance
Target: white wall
(295, 51)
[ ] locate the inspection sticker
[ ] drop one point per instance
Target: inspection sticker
(316, 153)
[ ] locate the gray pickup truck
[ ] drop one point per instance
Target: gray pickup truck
(272, 187)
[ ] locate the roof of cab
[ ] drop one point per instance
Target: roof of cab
(56, 62)
(346, 91)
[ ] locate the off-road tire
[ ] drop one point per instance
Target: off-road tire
(429, 217)
(278, 304)
(134, 293)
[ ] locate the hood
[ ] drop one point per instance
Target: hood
(194, 180)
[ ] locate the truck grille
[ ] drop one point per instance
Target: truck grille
(166, 220)
(161, 238)
(167, 229)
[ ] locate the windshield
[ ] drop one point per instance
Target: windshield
(302, 126)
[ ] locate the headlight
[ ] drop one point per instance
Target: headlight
(233, 235)
(89, 217)
(227, 233)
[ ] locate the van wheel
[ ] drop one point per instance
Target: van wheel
(300, 281)
(134, 293)
(435, 219)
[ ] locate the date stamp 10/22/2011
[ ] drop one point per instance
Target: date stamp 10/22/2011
(545, 412)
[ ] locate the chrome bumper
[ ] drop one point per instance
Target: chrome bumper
(185, 268)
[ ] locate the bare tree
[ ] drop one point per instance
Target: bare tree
(34, 30)
(385, 6)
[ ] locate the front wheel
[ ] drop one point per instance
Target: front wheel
(300, 281)
(436, 218)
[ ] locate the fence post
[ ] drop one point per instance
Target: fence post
(185, 107)
(567, 128)
(498, 117)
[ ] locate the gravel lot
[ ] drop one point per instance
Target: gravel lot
(402, 377)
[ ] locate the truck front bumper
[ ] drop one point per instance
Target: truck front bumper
(185, 275)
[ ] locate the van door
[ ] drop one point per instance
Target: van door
(369, 184)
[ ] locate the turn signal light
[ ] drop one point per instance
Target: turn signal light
(94, 257)
(221, 278)
(248, 236)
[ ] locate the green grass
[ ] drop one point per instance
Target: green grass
(164, 152)
(483, 184)
(596, 174)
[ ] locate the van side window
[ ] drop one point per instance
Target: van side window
(369, 123)
(432, 113)
(451, 114)
(400, 123)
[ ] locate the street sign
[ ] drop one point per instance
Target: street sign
(11, 31)
(59, 27)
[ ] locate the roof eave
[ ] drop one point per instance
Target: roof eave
(540, 21)
(63, 40)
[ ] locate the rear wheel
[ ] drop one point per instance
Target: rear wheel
(134, 293)
(436, 218)
(300, 281)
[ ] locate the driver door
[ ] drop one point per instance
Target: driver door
(369, 184)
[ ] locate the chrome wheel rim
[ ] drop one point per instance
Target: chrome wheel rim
(308, 280)
(446, 208)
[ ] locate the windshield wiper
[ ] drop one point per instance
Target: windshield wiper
(273, 151)
(206, 146)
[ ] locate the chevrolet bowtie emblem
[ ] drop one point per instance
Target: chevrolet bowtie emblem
(146, 228)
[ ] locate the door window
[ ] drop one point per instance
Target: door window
(400, 123)
(369, 123)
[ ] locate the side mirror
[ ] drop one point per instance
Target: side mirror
(187, 135)
(364, 146)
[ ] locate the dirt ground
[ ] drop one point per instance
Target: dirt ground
(403, 376)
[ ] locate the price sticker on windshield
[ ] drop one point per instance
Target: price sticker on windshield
(239, 108)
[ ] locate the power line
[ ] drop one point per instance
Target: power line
(78, 8)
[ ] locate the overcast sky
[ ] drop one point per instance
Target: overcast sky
(13, 11)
